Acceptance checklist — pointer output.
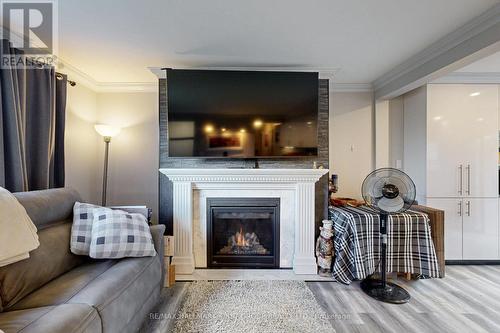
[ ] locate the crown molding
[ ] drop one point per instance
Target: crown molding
(324, 72)
(477, 38)
(470, 77)
(160, 72)
(118, 87)
(351, 87)
(85, 79)
(100, 87)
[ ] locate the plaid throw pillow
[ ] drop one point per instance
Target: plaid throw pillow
(118, 234)
(81, 230)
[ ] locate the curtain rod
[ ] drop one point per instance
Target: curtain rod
(59, 76)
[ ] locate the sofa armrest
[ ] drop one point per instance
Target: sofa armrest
(157, 231)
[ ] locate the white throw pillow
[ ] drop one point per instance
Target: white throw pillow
(118, 234)
(81, 230)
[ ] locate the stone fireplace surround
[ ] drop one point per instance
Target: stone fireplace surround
(294, 187)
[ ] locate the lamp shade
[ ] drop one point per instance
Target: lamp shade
(107, 130)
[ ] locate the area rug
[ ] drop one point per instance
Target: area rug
(250, 306)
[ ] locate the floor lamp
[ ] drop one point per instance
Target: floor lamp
(107, 133)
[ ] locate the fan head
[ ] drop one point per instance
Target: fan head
(389, 190)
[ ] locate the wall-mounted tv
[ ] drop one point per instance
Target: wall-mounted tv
(242, 114)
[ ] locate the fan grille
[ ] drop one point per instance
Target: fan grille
(373, 187)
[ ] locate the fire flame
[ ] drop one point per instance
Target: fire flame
(240, 238)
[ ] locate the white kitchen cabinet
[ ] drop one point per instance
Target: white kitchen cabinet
(453, 211)
(445, 141)
(480, 229)
(462, 140)
(451, 152)
(471, 227)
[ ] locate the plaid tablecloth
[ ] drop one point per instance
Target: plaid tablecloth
(357, 243)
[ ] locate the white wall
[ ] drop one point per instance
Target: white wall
(81, 142)
(396, 133)
(382, 134)
(351, 140)
(134, 153)
(415, 139)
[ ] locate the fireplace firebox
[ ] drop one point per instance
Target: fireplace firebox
(243, 232)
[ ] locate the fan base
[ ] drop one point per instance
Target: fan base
(392, 293)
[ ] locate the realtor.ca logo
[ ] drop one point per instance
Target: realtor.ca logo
(29, 33)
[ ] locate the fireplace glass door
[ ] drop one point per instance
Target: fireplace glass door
(243, 232)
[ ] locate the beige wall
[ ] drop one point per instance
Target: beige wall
(351, 140)
(81, 142)
(133, 155)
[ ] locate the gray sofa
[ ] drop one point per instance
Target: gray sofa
(57, 291)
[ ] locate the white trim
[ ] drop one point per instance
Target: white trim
(159, 72)
(81, 77)
(127, 87)
(470, 77)
(478, 34)
(244, 175)
(351, 87)
(324, 72)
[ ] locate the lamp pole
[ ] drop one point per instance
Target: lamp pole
(107, 140)
(107, 133)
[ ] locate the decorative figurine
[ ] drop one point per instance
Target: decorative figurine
(324, 248)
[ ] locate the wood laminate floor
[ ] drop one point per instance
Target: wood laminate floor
(467, 300)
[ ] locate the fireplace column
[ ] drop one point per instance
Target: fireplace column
(304, 261)
(183, 227)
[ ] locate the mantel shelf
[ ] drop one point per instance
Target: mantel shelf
(244, 175)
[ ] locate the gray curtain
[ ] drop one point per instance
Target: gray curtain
(58, 158)
(31, 127)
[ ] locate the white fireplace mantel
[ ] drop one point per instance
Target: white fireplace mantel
(246, 182)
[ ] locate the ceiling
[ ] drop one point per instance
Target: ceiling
(116, 40)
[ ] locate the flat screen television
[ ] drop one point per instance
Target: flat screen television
(242, 114)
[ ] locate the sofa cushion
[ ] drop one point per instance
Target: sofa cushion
(81, 231)
(55, 319)
(48, 207)
(120, 292)
(50, 260)
(118, 289)
(62, 289)
(118, 234)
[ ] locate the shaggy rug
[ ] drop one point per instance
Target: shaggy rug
(250, 306)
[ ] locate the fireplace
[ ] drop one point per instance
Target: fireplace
(243, 232)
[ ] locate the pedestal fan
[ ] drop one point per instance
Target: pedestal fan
(387, 191)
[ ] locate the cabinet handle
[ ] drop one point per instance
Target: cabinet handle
(460, 186)
(468, 179)
(468, 208)
(460, 208)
